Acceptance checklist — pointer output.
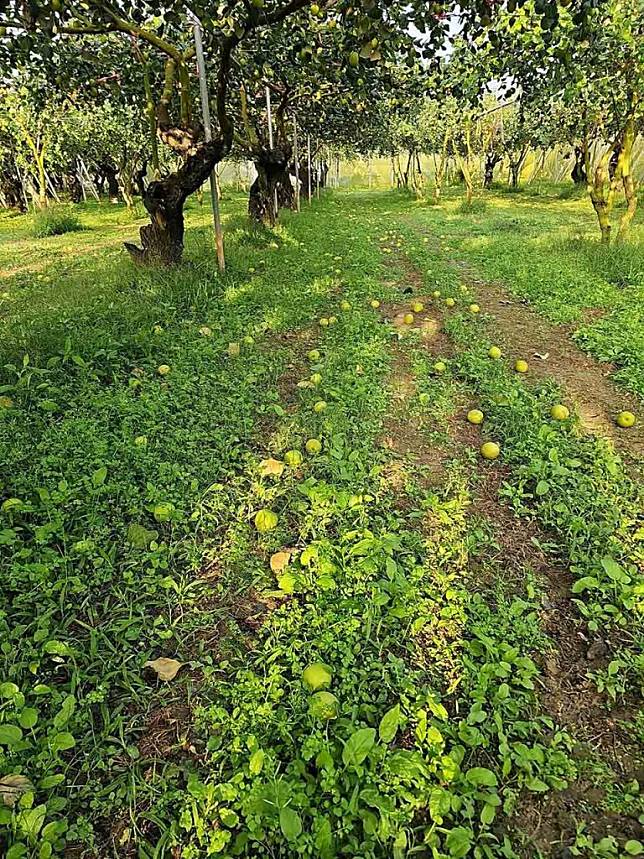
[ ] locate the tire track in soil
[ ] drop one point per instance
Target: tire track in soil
(567, 694)
(524, 333)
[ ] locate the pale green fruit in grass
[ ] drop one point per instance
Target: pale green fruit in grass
(490, 450)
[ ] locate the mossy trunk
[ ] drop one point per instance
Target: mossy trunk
(272, 187)
(162, 238)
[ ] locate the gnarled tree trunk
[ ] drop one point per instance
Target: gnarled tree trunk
(162, 238)
(578, 173)
(272, 181)
(110, 172)
(491, 160)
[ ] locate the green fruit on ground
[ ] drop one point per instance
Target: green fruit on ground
(316, 676)
(141, 440)
(324, 322)
(293, 458)
(345, 305)
(316, 378)
(313, 446)
(163, 511)
(436, 293)
(313, 355)
(440, 366)
(265, 520)
(521, 366)
(494, 352)
(157, 329)
(6, 403)
(315, 9)
(408, 318)
(559, 412)
(323, 705)
(354, 59)
(474, 308)
(417, 306)
(490, 450)
(626, 420)
(450, 302)
(320, 406)
(475, 416)
(375, 303)
(333, 320)
(163, 369)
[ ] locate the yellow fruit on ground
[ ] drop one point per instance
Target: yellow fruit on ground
(313, 355)
(440, 366)
(316, 378)
(333, 320)
(141, 440)
(265, 520)
(157, 329)
(163, 369)
(205, 331)
(559, 412)
(293, 458)
(316, 676)
(408, 318)
(436, 293)
(474, 308)
(324, 322)
(6, 403)
(320, 406)
(475, 416)
(313, 446)
(450, 302)
(521, 366)
(345, 305)
(626, 420)
(490, 450)
(234, 350)
(375, 303)
(417, 306)
(494, 352)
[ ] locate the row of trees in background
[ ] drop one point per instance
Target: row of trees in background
(96, 95)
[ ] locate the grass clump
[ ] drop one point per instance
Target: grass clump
(55, 221)
(476, 206)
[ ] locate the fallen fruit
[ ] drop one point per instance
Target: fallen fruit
(345, 305)
(313, 355)
(408, 318)
(320, 406)
(626, 420)
(375, 303)
(521, 366)
(205, 331)
(475, 416)
(440, 366)
(494, 352)
(293, 458)
(436, 293)
(313, 446)
(234, 350)
(559, 413)
(333, 320)
(450, 302)
(141, 440)
(315, 379)
(163, 369)
(265, 520)
(490, 450)
(323, 705)
(6, 403)
(316, 676)
(324, 322)
(417, 306)
(474, 308)
(163, 511)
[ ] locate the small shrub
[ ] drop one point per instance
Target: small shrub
(472, 207)
(55, 221)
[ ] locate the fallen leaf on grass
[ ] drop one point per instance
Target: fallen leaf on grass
(12, 787)
(279, 561)
(271, 466)
(166, 669)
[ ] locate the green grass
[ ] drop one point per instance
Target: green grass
(128, 503)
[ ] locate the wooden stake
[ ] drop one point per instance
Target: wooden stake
(269, 117)
(308, 155)
(205, 112)
(297, 166)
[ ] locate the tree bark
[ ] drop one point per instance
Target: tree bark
(162, 238)
(110, 172)
(491, 160)
(272, 178)
(578, 173)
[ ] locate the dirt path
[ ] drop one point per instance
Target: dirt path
(567, 694)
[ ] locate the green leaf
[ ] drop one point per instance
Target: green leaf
(140, 537)
(543, 487)
(28, 717)
(389, 724)
(439, 804)
(98, 477)
(634, 847)
(358, 746)
(488, 813)
(10, 735)
(290, 823)
(62, 741)
(228, 817)
(256, 762)
(458, 841)
(585, 583)
(481, 776)
(536, 785)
